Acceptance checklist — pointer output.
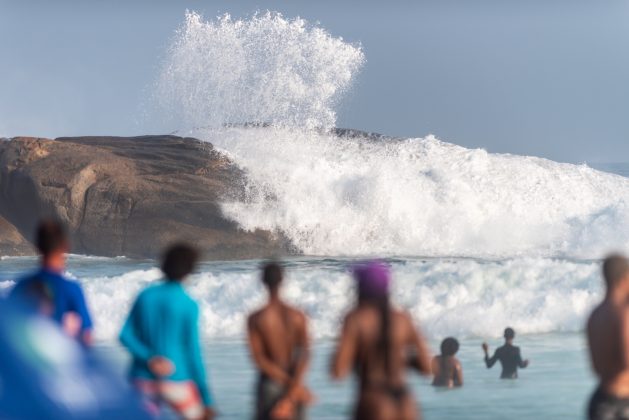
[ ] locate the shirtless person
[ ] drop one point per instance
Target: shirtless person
(378, 341)
(446, 368)
(508, 355)
(608, 340)
(279, 343)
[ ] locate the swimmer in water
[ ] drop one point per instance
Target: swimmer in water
(508, 355)
(376, 342)
(446, 368)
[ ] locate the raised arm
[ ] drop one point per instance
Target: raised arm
(345, 353)
(264, 364)
(418, 344)
(489, 361)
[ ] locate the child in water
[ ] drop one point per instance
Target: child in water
(446, 367)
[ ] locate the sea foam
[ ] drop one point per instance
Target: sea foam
(462, 297)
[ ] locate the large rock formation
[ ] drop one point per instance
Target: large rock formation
(125, 196)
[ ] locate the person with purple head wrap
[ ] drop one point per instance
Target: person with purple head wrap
(373, 279)
(379, 342)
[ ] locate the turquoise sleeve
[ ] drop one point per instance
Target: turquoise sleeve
(196, 360)
(129, 338)
(80, 307)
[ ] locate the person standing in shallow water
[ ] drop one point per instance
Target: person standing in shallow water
(48, 292)
(162, 335)
(280, 348)
(379, 343)
(608, 342)
(508, 355)
(446, 368)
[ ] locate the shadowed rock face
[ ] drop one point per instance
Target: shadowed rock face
(11, 240)
(127, 196)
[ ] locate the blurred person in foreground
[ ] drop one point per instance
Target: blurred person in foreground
(45, 374)
(280, 348)
(608, 341)
(378, 341)
(446, 368)
(508, 355)
(162, 335)
(48, 292)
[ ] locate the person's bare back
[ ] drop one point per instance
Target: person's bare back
(280, 348)
(608, 336)
(608, 341)
(446, 368)
(381, 374)
(279, 332)
(447, 371)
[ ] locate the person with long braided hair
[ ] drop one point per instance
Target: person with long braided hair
(379, 342)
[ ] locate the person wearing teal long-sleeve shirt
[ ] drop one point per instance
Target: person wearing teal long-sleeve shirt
(162, 335)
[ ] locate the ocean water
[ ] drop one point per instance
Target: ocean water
(557, 385)
(545, 300)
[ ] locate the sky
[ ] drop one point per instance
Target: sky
(547, 78)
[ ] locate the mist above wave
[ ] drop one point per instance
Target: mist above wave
(266, 69)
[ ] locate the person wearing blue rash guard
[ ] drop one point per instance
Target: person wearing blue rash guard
(162, 335)
(48, 292)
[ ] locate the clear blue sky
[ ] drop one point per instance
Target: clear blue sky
(540, 77)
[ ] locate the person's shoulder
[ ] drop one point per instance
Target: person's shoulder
(254, 317)
(70, 285)
(37, 275)
(20, 284)
(351, 319)
(297, 315)
(405, 318)
(149, 292)
(509, 349)
(352, 315)
(403, 314)
(189, 301)
(25, 279)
